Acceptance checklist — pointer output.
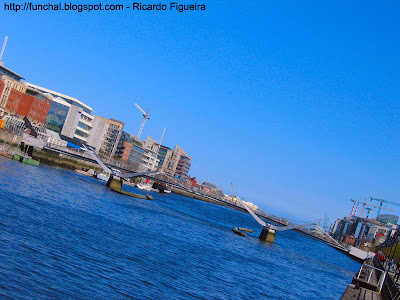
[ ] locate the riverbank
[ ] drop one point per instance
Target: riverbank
(64, 161)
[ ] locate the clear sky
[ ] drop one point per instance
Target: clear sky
(294, 102)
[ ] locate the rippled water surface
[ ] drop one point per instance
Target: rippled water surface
(64, 235)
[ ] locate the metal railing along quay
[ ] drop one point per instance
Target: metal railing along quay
(7, 149)
(390, 290)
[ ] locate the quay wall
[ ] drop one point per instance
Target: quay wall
(64, 161)
(8, 138)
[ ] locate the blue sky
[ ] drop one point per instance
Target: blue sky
(294, 102)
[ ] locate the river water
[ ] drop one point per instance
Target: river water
(65, 235)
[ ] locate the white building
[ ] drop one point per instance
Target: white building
(73, 119)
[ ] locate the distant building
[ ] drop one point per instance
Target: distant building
(210, 185)
(388, 219)
(376, 231)
(175, 163)
(183, 167)
(357, 231)
(179, 164)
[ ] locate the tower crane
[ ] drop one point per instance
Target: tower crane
(4, 47)
(383, 201)
(368, 209)
(353, 212)
(145, 118)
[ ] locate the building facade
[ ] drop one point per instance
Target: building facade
(174, 163)
(31, 104)
(113, 133)
(130, 150)
(9, 80)
(179, 164)
(72, 119)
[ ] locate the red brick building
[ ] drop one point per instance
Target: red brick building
(1, 86)
(32, 104)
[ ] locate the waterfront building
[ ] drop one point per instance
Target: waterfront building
(112, 136)
(97, 132)
(18, 99)
(175, 163)
(150, 158)
(378, 232)
(163, 153)
(358, 232)
(179, 163)
(72, 119)
(1, 87)
(183, 167)
(9, 80)
(130, 149)
(30, 103)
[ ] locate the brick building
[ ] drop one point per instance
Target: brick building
(32, 104)
(1, 86)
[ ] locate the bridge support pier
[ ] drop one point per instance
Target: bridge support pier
(267, 235)
(114, 182)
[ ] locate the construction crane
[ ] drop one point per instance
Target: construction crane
(159, 146)
(383, 201)
(368, 209)
(4, 47)
(355, 207)
(145, 118)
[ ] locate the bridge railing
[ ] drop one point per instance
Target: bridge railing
(389, 289)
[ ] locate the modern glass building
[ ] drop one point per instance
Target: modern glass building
(183, 167)
(162, 152)
(129, 149)
(57, 115)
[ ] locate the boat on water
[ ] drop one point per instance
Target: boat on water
(161, 187)
(144, 186)
(26, 159)
(30, 161)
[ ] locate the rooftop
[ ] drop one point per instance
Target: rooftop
(59, 95)
(6, 70)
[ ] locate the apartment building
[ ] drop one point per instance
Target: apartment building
(174, 163)
(112, 136)
(130, 150)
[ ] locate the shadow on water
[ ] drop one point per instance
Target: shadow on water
(64, 235)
